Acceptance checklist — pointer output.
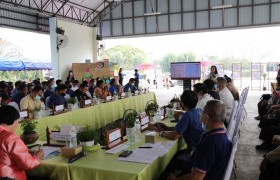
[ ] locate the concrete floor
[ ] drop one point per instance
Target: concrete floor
(247, 158)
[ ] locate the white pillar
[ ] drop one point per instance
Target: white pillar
(54, 53)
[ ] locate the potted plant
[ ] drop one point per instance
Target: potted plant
(29, 135)
(86, 136)
(71, 103)
(129, 119)
(151, 109)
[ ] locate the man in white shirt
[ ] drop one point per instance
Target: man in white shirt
(225, 96)
(203, 97)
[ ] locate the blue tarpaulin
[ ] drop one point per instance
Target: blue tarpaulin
(22, 64)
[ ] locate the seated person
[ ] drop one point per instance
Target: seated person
(232, 88)
(69, 88)
(81, 93)
(33, 100)
(57, 82)
(22, 92)
(210, 86)
(270, 166)
(92, 86)
(75, 85)
(225, 96)
(101, 90)
(189, 125)
(130, 85)
(211, 155)
(49, 90)
(203, 97)
(58, 97)
(6, 100)
(14, 157)
(114, 88)
(15, 90)
(30, 87)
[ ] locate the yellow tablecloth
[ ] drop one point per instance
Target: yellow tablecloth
(95, 116)
(101, 166)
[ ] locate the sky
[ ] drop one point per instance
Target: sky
(35, 46)
(258, 44)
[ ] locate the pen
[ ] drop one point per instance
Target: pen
(145, 147)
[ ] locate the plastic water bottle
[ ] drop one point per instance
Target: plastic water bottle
(129, 92)
(43, 107)
(77, 101)
(138, 131)
(115, 95)
(73, 134)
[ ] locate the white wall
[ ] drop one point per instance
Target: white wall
(81, 46)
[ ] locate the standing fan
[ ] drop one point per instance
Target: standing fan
(62, 41)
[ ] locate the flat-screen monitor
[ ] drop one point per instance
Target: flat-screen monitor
(185, 70)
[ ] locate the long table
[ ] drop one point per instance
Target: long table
(95, 116)
(101, 166)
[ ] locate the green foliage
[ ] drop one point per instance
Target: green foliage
(130, 118)
(87, 134)
(20, 75)
(169, 58)
(151, 108)
(126, 57)
(29, 126)
(71, 101)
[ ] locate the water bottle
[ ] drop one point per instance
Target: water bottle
(115, 95)
(73, 134)
(43, 107)
(129, 92)
(138, 131)
(77, 101)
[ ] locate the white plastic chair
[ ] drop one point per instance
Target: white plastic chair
(238, 121)
(231, 159)
(231, 128)
(234, 110)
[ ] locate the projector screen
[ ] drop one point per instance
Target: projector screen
(185, 70)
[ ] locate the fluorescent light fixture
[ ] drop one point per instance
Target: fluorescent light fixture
(152, 14)
(222, 6)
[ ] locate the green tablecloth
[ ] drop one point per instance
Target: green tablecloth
(95, 116)
(101, 166)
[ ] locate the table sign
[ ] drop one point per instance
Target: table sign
(114, 138)
(123, 95)
(88, 102)
(108, 98)
(23, 115)
(144, 121)
(136, 93)
(58, 110)
(49, 143)
(162, 113)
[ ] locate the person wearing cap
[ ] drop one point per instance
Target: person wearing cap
(14, 157)
(130, 85)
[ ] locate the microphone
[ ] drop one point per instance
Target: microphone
(78, 156)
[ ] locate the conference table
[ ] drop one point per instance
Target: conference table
(102, 166)
(95, 116)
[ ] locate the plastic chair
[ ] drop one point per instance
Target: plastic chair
(231, 160)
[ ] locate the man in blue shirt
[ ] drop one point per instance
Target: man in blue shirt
(58, 97)
(49, 91)
(136, 75)
(130, 85)
(21, 94)
(210, 157)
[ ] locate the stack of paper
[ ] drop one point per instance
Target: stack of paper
(48, 151)
(117, 149)
(148, 155)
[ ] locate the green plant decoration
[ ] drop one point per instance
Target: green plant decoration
(151, 108)
(87, 134)
(130, 117)
(72, 101)
(29, 126)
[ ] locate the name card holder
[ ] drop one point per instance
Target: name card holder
(48, 133)
(23, 115)
(108, 98)
(144, 121)
(123, 95)
(86, 103)
(114, 138)
(58, 110)
(136, 93)
(162, 113)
